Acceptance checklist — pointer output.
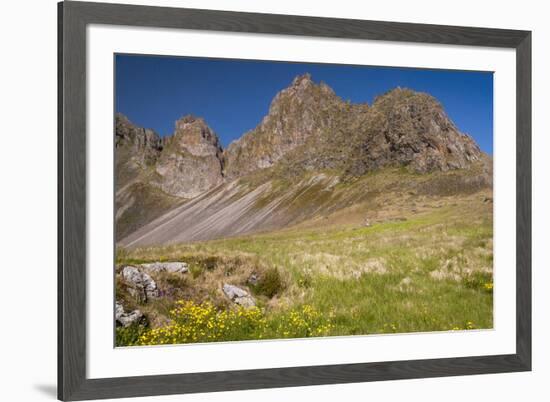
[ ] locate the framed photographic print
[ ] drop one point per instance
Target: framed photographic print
(256, 201)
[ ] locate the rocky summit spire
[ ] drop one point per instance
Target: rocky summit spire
(192, 160)
(302, 112)
(193, 134)
(302, 81)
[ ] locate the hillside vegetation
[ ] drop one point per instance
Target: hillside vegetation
(396, 262)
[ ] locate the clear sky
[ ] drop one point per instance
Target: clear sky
(234, 95)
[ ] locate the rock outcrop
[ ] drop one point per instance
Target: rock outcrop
(411, 129)
(191, 161)
(140, 284)
(126, 319)
(136, 150)
(303, 114)
(173, 267)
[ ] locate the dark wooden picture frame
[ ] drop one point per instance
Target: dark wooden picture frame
(73, 18)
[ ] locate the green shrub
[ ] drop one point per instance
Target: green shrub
(269, 283)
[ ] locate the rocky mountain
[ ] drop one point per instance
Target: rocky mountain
(307, 131)
(407, 128)
(310, 127)
(303, 114)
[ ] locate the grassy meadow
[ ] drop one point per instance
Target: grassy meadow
(424, 266)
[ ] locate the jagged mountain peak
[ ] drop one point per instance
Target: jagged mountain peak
(192, 160)
(302, 112)
(419, 112)
(121, 117)
(128, 133)
(304, 86)
(190, 120)
(193, 135)
(302, 80)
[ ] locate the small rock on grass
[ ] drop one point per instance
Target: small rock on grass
(238, 296)
(174, 267)
(141, 284)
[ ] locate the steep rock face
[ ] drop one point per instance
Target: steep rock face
(304, 113)
(136, 149)
(137, 200)
(191, 161)
(407, 128)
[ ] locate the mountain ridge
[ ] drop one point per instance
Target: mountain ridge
(413, 129)
(308, 128)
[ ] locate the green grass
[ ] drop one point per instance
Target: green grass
(429, 272)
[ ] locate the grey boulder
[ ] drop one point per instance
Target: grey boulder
(174, 267)
(141, 285)
(238, 296)
(124, 319)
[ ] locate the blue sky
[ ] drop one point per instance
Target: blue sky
(234, 95)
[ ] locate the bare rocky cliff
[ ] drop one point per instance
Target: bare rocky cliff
(136, 150)
(303, 114)
(191, 161)
(407, 128)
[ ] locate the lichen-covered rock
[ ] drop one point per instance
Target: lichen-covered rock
(125, 319)
(238, 296)
(141, 285)
(174, 267)
(191, 161)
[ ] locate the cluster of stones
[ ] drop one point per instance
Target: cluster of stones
(144, 288)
